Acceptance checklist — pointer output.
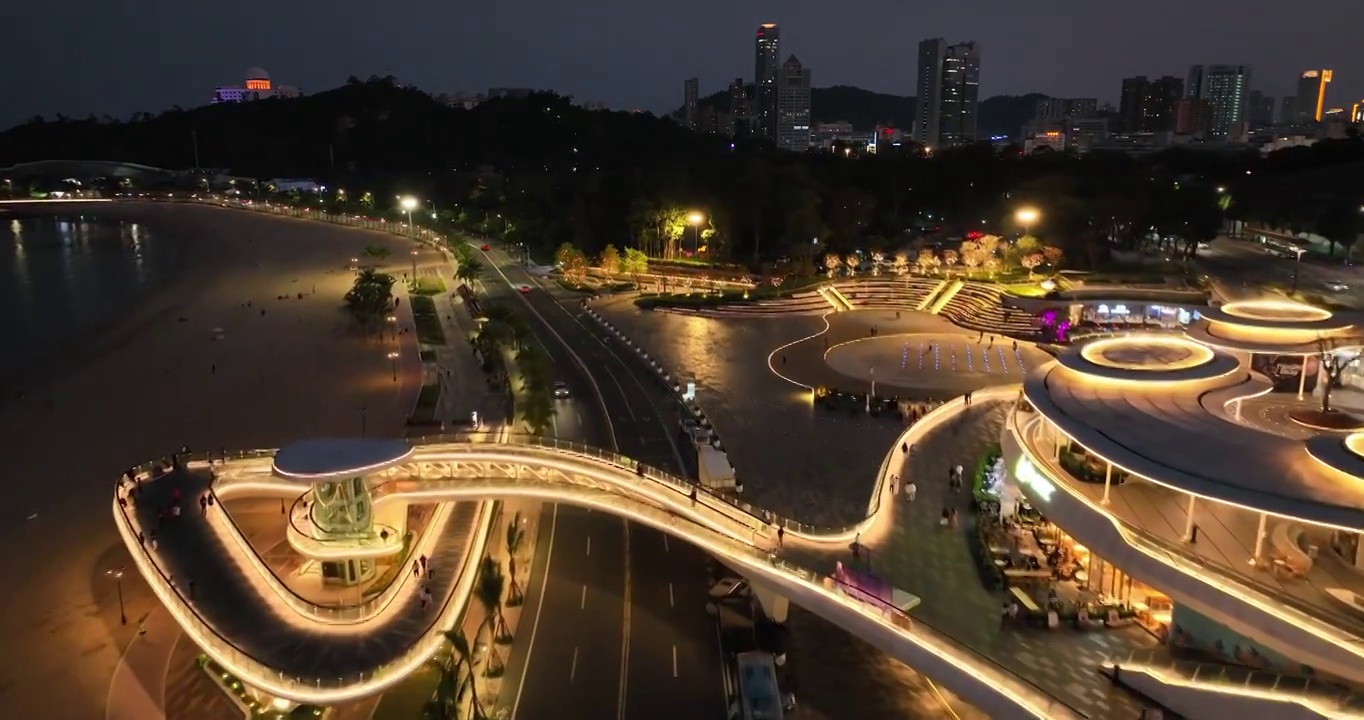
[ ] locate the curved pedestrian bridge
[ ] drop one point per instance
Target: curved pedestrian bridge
(243, 617)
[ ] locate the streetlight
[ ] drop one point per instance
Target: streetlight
(117, 575)
(409, 204)
(696, 219)
(414, 268)
(393, 358)
(1297, 264)
(1026, 217)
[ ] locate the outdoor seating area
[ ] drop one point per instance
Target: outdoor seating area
(978, 306)
(906, 293)
(857, 403)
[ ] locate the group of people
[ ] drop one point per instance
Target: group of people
(421, 566)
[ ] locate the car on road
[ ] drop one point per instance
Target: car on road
(560, 389)
(484, 247)
(728, 588)
(1337, 286)
(523, 289)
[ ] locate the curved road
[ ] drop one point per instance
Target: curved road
(619, 627)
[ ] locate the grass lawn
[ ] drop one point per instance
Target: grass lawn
(1027, 289)
(428, 285)
(425, 316)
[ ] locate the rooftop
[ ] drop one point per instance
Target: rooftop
(1161, 414)
(323, 459)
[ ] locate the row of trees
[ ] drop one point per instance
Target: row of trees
(573, 263)
(986, 256)
(505, 328)
(542, 172)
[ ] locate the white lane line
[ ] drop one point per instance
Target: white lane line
(665, 543)
(674, 661)
(670, 595)
(583, 605)
(625, 631)
(535, 623)
(573, 669)
(724, 671)
(589, 544)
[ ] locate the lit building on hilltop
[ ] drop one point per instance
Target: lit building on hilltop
(257, 87)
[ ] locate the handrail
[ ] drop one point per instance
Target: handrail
(300, 509)
(242, 663)
(1179, 557)
(1213, 673)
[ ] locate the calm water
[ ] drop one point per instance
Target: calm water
(60, 278)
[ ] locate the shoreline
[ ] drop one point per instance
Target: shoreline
(147, 383)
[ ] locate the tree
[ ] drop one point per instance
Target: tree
(516, 535)
(376, 252)
(635, 263)
(852, 261)
(468, 271)
(832, 262)
(367, 201)
(1052, 255)
(370, 297)
(491, 583)
(1031, 261)
(572, 263)
(899, 264)
(877, 258)
(950, 258)
(454, 682)
(537, 410)
(609, 260)
(926, 260)
(1340, 223)
(970, 255)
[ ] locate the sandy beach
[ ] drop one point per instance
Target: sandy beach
(154, 381)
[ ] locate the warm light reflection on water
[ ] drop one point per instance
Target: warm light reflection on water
(59, 277)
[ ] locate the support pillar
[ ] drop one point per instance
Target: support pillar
(774, 604)
(1302, 377)
(1055, 442)
(1259, 540)
(1108, 480)
(1188, 519)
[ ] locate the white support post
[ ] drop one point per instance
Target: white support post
(1238, 409)
(1108, 480)
(1259, 540)
(1188, 520)
(1302, 377)
(1055, 442)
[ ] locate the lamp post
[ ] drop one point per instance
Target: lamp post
(1297, 264)
(695, 219)
(414, 268)
(1026, 217)
(393, 359)
(117, 575)
(408, 204)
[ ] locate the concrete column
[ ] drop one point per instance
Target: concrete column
(1108, 480)
(1055, 442)
(1260, 539)
(774, 604)
(1188, 519)
(1302, 377)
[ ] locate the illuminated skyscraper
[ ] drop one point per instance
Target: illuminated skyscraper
(1225, 88)
(1311, 98)
(948, 91)
(793, 106)
(766, 72)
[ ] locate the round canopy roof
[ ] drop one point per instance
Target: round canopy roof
(326, 459)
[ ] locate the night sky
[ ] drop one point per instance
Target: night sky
(110, 57)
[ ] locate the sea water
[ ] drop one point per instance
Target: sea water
(61, 278)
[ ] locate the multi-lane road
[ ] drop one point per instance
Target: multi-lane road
(615, 623)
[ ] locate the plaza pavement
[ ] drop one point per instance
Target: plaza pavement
(793, 477)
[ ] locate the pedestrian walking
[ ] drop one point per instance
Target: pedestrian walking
(155, 542)
(416, 569)
(781, 535)
(961, 474)
(911, 491)
(203, 505)
(423, 561)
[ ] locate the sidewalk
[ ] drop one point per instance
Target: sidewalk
(138, 688)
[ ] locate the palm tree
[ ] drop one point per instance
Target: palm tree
(453, 682)
(516, 534)
(491, 583)
(469, 270)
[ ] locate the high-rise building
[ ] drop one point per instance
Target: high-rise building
(1288, 110)
(1132, 105)
(1050, 108)
(1259, 110)
(793, 106)
(740, 108)
(767, 68)
(1193, 116)
(928, 101)
(690, 90)
(1225, 88)
(1311, 97)
(960, 94)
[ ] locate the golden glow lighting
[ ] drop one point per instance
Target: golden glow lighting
(1275, 311)
(1156, 353)
(1355, 444)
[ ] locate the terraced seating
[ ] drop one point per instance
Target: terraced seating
(805, 303)
(978, 306)
(891, 293)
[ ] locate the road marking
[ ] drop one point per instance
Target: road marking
(665, 542)
(625, 630)
(583, 605)
(674, 661)
(589, 544)
(535, 623)
(724, 671)
(573, 669)
(670, 595)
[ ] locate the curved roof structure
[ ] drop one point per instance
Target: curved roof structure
(1269, 326)
(326, 459)
(1169, 427)
(257, 73)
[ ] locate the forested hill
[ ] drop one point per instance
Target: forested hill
(865, 109)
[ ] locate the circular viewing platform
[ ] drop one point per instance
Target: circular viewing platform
(1147, 359)
(327, 459)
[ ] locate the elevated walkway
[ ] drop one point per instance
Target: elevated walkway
(443, 472)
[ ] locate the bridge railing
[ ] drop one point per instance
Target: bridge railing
(1274, 686)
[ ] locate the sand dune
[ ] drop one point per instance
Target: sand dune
(153, 383)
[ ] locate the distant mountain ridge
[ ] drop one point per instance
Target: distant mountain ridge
(865, 109)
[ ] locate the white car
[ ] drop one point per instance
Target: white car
(560, 389)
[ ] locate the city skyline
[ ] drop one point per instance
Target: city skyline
(589, 57)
